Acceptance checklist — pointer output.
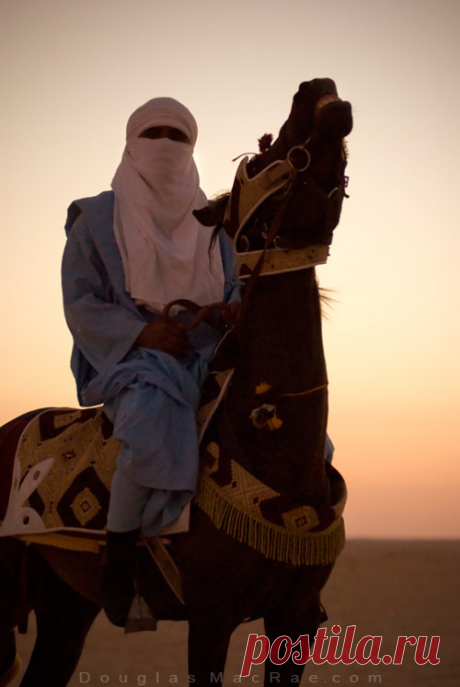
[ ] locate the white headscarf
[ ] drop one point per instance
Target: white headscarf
(163, 247)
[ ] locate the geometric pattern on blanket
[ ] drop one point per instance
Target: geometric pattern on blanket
(66, 459)
(64, 465)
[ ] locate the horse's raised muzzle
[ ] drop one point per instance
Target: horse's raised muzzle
(335, 120)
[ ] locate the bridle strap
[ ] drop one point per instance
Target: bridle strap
(271, 235)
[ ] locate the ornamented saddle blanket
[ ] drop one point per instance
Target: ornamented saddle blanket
(66, 459)
(62, 473)
(63, 469)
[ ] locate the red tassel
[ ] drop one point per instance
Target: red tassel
(265, 142)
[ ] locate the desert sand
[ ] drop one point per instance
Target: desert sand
(385, 588)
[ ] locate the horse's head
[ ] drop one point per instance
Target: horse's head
(292, 192)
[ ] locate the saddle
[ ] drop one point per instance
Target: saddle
(66, 459)
(63, 468)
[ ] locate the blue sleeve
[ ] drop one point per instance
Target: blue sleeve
(103, 329)
(232, 289)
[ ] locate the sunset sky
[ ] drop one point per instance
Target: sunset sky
(71, 74)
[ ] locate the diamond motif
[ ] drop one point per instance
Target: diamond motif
(247, 490)
(301, 519)
(85, 506)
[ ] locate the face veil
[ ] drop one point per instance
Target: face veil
(164, 249)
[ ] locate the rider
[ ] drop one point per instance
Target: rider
(129, 252)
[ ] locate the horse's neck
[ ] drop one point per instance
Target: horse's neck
(281, 361)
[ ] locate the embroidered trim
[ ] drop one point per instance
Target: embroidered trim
(236, 502)
(273, 541)
(280, 260)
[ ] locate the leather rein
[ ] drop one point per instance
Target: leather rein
(282, 174)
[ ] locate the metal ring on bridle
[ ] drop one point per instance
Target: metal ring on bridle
(292, 161)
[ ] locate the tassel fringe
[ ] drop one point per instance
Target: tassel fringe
(273, 541)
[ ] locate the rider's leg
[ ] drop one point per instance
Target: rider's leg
(155, 476)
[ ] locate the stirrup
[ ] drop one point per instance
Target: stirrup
(140, 618)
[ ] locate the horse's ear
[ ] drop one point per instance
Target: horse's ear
(212, 214)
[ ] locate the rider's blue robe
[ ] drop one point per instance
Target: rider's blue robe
(151, 397)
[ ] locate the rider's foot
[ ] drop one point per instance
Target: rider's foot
(118, 575)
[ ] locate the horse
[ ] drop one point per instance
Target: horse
(271, 423)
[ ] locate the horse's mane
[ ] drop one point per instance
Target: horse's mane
(326, 300)
(218, 200)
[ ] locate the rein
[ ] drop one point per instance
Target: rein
(270, 237)
(205, 313)
(246, 196)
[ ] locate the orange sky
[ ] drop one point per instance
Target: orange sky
(72, 73)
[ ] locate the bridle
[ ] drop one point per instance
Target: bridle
(278, 254)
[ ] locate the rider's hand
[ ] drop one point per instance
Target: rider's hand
(167, 337)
